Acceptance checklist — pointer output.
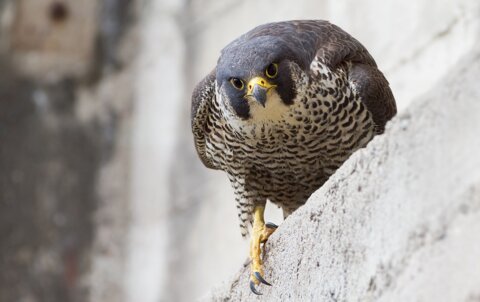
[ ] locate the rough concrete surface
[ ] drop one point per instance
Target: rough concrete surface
(399, 221)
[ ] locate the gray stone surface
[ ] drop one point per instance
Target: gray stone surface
(399, 221)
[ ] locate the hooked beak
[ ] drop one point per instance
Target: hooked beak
(258, 88)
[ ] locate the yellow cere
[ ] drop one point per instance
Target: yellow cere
(260, 82)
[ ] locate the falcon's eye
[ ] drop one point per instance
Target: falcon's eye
(272, 70)
(237, 83)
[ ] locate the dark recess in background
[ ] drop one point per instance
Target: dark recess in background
(49, 162)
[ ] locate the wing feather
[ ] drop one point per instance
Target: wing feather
(202, 98)
(337, 48)
(375, 93)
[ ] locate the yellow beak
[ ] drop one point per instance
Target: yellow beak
(258, 88)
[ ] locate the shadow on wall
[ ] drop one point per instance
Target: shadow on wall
(48, 166)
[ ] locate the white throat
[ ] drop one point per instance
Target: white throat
(274, 111)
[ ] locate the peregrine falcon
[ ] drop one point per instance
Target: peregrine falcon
(285, 106)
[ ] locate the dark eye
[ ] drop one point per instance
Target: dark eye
(237, 83)
(272, 70)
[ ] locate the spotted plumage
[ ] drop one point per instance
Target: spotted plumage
(283, 138)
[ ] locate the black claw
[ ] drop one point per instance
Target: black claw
(260, 278)
(253, 289)
(271, 225)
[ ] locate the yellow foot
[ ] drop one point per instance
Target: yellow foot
(260, 234)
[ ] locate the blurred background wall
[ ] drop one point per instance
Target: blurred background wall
(102, 197)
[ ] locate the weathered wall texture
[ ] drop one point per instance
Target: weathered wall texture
(399, 221)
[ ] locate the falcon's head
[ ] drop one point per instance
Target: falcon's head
(258, 78)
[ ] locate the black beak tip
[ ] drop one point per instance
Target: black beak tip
(260, 95)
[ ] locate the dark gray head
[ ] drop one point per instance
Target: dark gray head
(253, 72)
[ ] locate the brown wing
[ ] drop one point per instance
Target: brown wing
(202, 98)
(336, 47)
(375, 92)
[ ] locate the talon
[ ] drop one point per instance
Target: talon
(253, 289)
(260, 278)
(271, 225)
(260, 234)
